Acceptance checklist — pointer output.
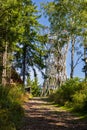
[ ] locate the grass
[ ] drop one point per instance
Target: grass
(11, 111)
(79, 114)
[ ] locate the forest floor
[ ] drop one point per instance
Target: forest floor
(42, 115)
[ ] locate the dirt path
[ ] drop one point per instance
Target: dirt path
(40, 115)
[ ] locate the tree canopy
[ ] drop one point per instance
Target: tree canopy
(68, 21)
(20, 33)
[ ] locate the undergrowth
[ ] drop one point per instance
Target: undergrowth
(11, 111)
(72, 94)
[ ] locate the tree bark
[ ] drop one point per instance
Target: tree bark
(24, 63)
(4, 75)
(72, 57)
(1, 66)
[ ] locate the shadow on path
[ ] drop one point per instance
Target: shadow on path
(40, 115)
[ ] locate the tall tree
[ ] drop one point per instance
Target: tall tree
(31, 47)
(58, 25)
(66, 22)
(18, 30)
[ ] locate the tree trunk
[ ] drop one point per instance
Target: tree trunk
(72, 57)
(24, 63)
(65, 51)
(4, 75)
(9, 67)
(1, 66)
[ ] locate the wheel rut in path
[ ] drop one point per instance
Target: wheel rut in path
(41, 115)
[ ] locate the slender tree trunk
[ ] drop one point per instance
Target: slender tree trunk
(72, 56)
(85, 57)
(4, 75)
(1, 66)
(9, 67)
(24, 63)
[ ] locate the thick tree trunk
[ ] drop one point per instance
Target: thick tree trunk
(65, 51)
(61, 64)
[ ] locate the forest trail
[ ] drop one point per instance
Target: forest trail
(41, 115)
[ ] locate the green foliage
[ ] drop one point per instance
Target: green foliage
(68, 22)
(79, 99)
(19, 29)
(5, 123)
(35, 89)
(73, 93)
(66, 90)
(16, 114)
(11, 111)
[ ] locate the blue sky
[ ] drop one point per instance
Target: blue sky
(42, 20)
(78, 70)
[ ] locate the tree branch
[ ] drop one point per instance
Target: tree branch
(77, 62)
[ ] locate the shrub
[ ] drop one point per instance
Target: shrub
(35, 89)
(78, 101)
(80, 98)
(66, 90)
(5, 123)
(11, 111)
(52, 96)
(73, 93)
(69, 88)
(16, 114)
(16, 93)
(58, 97)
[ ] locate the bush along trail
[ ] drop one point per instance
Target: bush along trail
(11, 111)
(41, 115)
